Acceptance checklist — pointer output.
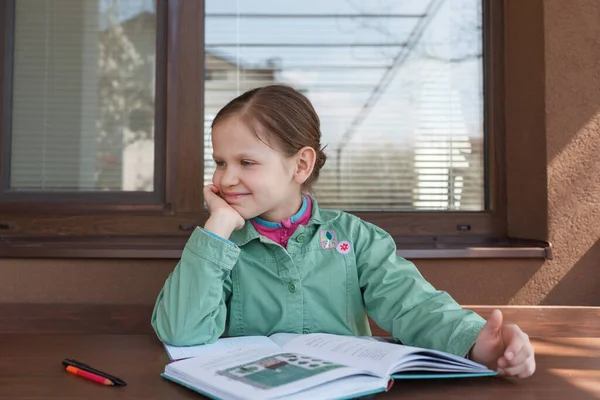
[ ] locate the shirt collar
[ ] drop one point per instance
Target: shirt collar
(293, 219)
(248, 232)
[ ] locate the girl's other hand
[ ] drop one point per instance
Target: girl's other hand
(504, 347)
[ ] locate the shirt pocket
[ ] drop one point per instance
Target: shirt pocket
(257, 295)
(326, 285)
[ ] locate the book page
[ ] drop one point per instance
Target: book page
(220, 346)
(281, 339)
(375, 356)
(423, 358)
(257, 373)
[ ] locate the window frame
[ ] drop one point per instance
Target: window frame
(165, 224)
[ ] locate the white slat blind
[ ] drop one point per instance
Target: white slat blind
(83, 95)
(397, 84)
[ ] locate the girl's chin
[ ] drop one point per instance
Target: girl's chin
(245, 214)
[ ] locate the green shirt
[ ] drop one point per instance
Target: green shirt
(335, 270)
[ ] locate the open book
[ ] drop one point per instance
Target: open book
(313, 366)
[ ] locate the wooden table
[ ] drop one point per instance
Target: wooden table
(568, 359)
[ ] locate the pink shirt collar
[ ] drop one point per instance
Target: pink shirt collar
(280, 232)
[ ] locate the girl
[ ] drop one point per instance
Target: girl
(270, 260)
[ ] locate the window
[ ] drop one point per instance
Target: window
(399, 88)
(101, 133)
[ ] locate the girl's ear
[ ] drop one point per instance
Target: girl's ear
(305, 163)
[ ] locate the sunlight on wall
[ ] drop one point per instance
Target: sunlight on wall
(573, 209)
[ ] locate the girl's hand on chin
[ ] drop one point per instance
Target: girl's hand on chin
(223, 218)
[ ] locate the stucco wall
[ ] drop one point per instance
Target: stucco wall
(572, 60)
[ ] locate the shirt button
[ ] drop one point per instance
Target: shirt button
(292, 287)
(301, 238)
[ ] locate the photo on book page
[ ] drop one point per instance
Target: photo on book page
(277, 370)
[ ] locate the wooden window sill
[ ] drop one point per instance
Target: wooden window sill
(157, 247)
(498, 248)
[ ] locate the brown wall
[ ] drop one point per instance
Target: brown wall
(572, 57)
(553, 119)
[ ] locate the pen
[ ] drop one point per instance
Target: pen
(84, 367)
(89, 375)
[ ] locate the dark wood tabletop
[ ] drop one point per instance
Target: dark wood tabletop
(568, 367)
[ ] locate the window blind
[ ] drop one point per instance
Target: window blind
(398, 87)
(83, 95)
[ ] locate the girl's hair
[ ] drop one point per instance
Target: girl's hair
(286, 115)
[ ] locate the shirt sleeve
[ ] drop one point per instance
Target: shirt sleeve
(402, 302)
(191, 308)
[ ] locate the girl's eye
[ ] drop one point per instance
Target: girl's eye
(247, 163)
(220, 163)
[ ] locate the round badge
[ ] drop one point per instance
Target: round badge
(343, 247)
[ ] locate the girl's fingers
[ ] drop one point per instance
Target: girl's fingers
(518, 347)
(523, 370)
(524, 353)
(212, 188)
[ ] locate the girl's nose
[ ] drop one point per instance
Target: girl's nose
(229, 177)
